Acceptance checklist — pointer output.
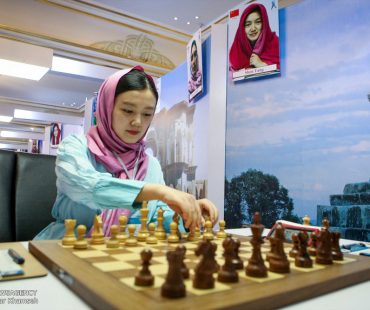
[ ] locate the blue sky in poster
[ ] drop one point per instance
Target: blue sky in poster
(310, 127)
(174, 87)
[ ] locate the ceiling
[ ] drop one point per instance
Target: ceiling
(70, 91)
(164, 11)
(67, 93)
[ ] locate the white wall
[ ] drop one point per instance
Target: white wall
(217, 117)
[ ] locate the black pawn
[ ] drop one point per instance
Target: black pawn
(295, 249)
(323, 251)
(302, 259)
(145, 278)
(184, 269)
(335, 247)
(228, 273)
(237, 260)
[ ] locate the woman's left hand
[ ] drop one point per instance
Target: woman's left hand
(208, 209)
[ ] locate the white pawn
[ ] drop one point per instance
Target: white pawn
(152, 239)
(221, 234)
(113, 242)
(173, 237)
(208, 234)
(131, 240)
(122, 235)
(81, 242)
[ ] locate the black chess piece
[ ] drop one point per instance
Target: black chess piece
(302, 259)
(184, 270)
(335, 247)
(203, 278)
(228, 273)
(174, 286)
(279, 262)
(256, 266)
(145, 277)
(237, 260)
(295, 249)
(323, 251)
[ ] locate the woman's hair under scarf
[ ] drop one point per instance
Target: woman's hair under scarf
(103, 142)
(266, 47)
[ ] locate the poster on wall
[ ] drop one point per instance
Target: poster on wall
(55, 134)
(194, 65)
(36, 146)
(254, 39)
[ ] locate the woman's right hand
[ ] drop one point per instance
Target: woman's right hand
(182, 203)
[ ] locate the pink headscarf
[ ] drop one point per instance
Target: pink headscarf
(266, 47)
(103, 141)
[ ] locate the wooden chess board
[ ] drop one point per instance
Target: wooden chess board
(104, 278)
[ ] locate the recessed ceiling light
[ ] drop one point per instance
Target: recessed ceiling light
(196, 17)
(175, 18)
(188, 23)
(5, 119)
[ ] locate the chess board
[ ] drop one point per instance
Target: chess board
(104, 278)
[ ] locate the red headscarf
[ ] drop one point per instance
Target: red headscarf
(103, 141)
(266, 47)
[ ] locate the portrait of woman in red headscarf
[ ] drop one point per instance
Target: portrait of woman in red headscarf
(55, 134)
(255, 45)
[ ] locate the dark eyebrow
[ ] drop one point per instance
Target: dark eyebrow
(134, 106)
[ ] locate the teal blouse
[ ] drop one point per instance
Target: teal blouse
(85, 188)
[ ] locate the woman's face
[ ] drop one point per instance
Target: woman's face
(55, 131)
(253, 26)
(132, 114)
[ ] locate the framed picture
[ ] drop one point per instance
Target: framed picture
(194, 65)
(55, 134)
(254, 47)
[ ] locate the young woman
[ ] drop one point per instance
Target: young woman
(108, 170)
(255, 45)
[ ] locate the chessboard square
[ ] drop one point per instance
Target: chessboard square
(315, 267)
(270, 276)
(89, 253)
(100, 247)
(245, 250)
(220, 261)
(218, 241)
(158, 281)
(127, 256)
(138, 249)
(191, 246)
(159, 259)
(158, 269)
(191, 257)
(344, 261)
(245, 255)
(112, 266)
(219, 287)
